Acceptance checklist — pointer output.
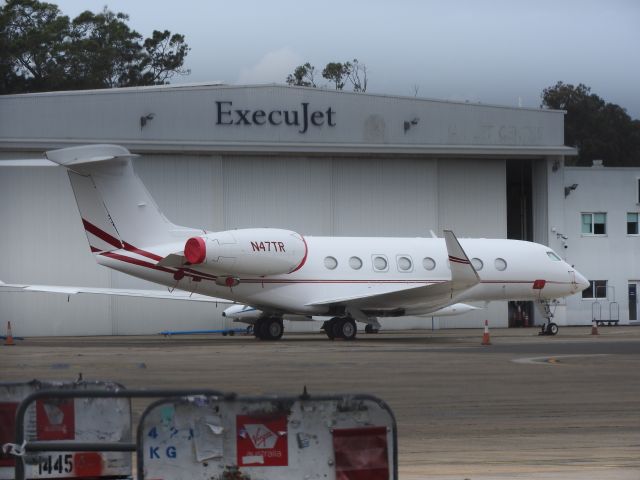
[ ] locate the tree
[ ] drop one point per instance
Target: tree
(164, 56)
(43, 50)
(303, 76)
(105, 52)
(34, 37)
(599, 130)
(357, 75)
(337, 73)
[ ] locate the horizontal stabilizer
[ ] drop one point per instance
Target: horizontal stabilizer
(73, 156)
(28, 162)
(84, 154)
(158, 294)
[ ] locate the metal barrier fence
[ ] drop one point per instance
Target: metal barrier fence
(202, 434)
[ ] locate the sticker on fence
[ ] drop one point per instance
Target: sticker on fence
(205, 437)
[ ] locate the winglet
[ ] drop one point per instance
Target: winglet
(463, 275)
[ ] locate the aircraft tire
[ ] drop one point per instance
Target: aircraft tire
(259, 329)
(348, 329)
(273, 329)
(552, 329)
(328, 328)
(336, 327)
(370, 329)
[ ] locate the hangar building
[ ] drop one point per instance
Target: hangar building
(316, 161)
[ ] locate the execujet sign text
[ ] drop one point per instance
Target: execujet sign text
(303, 118)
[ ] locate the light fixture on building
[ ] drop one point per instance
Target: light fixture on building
(408, 124)
(569, 189)
(145, 118)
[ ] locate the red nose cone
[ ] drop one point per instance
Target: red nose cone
(195, 250)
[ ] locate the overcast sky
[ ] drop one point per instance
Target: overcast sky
(491, 51)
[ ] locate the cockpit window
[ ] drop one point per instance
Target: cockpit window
(553, 256)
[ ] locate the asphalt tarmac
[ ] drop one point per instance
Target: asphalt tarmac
(526, 407)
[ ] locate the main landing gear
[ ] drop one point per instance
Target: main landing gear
(340, 327)
(371, 329)
(268, 328)
(548, 328)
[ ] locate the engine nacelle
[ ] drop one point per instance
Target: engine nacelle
(251, 251)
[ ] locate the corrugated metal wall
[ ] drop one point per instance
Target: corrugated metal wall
(42, 240)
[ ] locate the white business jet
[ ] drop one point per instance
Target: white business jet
(271, 274)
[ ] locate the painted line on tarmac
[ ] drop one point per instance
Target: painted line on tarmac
(553, 359)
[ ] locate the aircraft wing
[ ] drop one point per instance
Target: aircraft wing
(432, 296)
(121, 292)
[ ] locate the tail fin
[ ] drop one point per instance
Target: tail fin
(117, 210)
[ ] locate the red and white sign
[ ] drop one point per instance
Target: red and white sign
(262, 441)
(55, 420)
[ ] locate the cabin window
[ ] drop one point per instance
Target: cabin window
(355, 263)
(331, 263)
(477, 264)
(404, 263)
(380, 263)
(596, 289)
(553, 256)
(594, 223)
(632, 223)
(428, 263)
(500, 263)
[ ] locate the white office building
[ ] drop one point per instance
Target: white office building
(600, 234)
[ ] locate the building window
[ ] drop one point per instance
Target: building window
(632, 224)
(596, 289)
(594, 223)
(639, 191)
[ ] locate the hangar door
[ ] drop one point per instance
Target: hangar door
(520, 226)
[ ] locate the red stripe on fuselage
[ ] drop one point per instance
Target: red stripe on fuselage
(135, 261)
(204, 276)
(458, 260)
(111, 240)
(101, 234)
(130, 248)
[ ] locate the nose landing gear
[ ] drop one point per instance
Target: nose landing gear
(548, 328)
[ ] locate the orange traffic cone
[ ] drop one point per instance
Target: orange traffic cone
(485, 337)
(594, 328)
(9, 338)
